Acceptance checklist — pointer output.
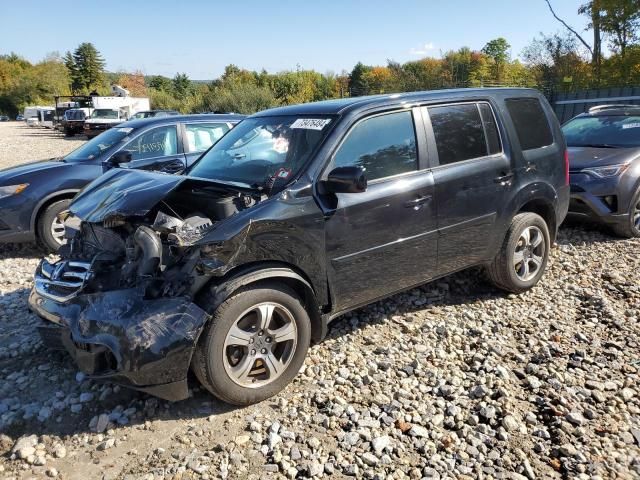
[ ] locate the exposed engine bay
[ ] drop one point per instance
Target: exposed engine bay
(156, 251)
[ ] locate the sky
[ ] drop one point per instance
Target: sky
(200, 37)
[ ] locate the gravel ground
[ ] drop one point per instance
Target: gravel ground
(21, 144)
(451, 380)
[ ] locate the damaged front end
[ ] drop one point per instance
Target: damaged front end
(121, 298)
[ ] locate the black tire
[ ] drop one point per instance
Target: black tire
(68, 132)
(208, 360)
(502, 271)
(46, 219)
(629, 229)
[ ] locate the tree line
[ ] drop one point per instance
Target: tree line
(606, 53)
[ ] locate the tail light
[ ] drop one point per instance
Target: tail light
(566, 167)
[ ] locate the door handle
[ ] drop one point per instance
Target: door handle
(417, 202)
(503, 179)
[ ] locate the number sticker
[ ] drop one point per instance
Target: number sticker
(311, 123)
(631, 125)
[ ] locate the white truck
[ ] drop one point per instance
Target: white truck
(35, 115)
(113, 110)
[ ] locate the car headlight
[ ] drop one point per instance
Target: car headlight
(608, 171)
(12, 190)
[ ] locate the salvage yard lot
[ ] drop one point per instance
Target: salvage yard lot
(449, 380)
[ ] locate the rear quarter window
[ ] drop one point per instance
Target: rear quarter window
(530, 122)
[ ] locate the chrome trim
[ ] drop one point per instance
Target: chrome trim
(65, 275)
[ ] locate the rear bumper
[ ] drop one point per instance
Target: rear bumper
(122, 337)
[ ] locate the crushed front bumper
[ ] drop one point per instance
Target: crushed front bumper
(120, 336)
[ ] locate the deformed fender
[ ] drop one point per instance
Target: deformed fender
(243, 276)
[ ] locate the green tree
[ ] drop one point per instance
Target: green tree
(357, 81)
(181, 85)
(498, 51)
(160, 83)
(86, 68)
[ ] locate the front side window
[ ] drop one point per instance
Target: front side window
(530, 121)
(200, 136)
(94, 147)
(263, 152)
(159, 142)
(604, 131)
(459, 132)
(384, 145)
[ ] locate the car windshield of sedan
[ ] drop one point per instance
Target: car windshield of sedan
(94, 147)
(603, 130)
(263, 152)
(104, 113)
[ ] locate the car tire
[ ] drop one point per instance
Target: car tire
(523, 257)
(228, 359)
(630, 228)
(46, 223)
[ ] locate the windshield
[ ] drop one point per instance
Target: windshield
(264, 152)
(104, 113)
(94, 147)
(74, 115)
(609, 130)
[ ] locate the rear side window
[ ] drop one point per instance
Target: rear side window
(384, 145)
(490, 129)
(459, 132)
(530, 121)
(200, 136)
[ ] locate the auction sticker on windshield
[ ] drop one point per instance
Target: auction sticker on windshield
(311, 123)
(624, 127)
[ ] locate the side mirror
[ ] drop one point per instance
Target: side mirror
(122, 156)
(346, 180)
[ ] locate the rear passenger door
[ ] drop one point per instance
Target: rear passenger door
(200, 136)
(472, 176)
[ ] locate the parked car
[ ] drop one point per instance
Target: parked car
(102, 119)
(73, 121)
(19, 117)
(33, 195)
(235, 266)
(604, 155)
(4, 118)
(154, 113)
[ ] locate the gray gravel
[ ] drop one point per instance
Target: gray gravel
(450, 380)
(22, 144)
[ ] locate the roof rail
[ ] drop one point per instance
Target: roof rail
(610, 107)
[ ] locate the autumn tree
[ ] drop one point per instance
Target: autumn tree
(134, 82)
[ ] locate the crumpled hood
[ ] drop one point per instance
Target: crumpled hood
(28, 168)
(128, 193)
(586, 157)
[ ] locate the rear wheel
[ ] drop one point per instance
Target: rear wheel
(523, 257)
(631, 227)
(50, 228)
(254, 344)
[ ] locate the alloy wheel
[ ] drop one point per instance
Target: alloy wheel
(528, 258)
(636, 215)
(260, 345)
(57, 230)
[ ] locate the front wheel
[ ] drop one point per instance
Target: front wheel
(50, 227)
(631, 227)
(254, 344)
(521, 261)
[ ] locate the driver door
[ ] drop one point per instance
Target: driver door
(157, 149)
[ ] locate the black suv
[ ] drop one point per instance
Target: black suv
(296, 216)
(604, 158)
